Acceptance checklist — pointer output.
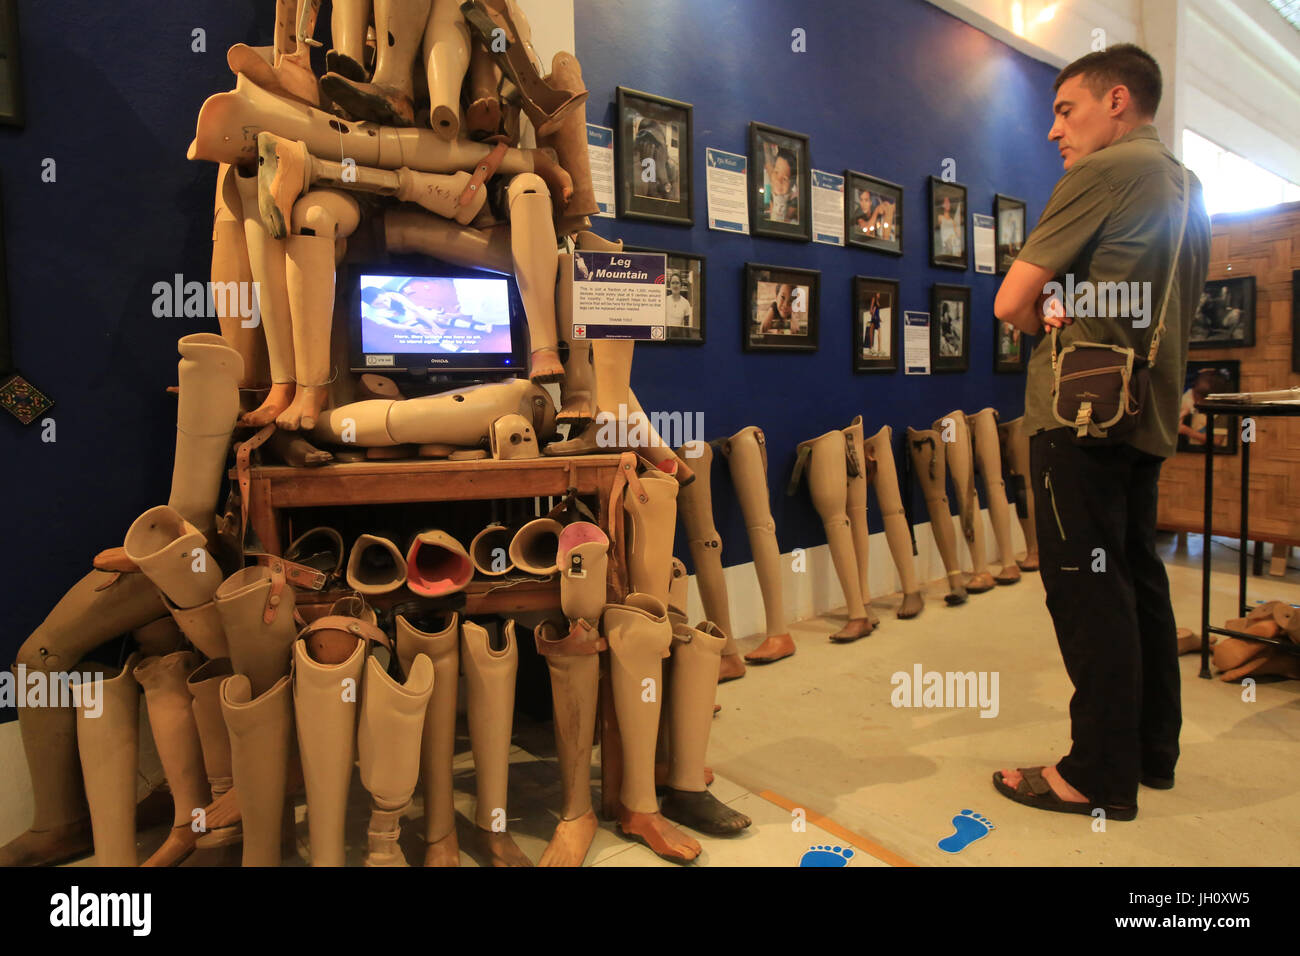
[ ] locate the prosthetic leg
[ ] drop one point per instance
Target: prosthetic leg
(208, 405)
(827, 463)
(100, 606)
(696, 655)
(392, 720)
(569, 140)
(446, 58)
(1015, 453)
(651, 508)
(389, 98)
(857, 510)
(746, 452)
(482, 93)
(322, 220)
(578, 386)
(266, 259)
(639, 636)
(325, 713)
(288, 71)
(879, 448)
(930, 462)
(490, 695)
(375, 566)
(171, 716)
(695, 507)
(962, 468)
(109, 744)
(438, 743)
(532, 243)
(988, 457)
(256, 607)
(348, 22)
(260, 730)
(221, 817)
(575, 684)
(232, 281)
(172, 553)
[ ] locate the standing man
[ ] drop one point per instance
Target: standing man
(1113, 217)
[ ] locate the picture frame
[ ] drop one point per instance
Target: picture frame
(1010, 229)
(1225, 316)
(867, 228)
(876, 314)
(690, 268)
(654, 138)
(1010, 349)
(777, 296)
(780, 198)
(950, 321)
(949, 233)
(12, 103)
(1204, 377)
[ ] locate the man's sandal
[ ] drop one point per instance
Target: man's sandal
(1034, 791)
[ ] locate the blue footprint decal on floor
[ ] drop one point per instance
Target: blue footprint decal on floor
(826, 856)
(968, 826)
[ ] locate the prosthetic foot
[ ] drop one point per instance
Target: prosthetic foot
(955, 433)
(109, 745)
(879, 450)
(483, 113)
(348, 22)
(857, 508)
(490, 695)
(176, 735)
(746, 452)
(930, 462)
(696, 656)
(827, 464)
(441, 645)
(575, 681)
(325, 712)
(389, 98)
(988, 457)
(639, 636)
(1015, 454)
(388, 743)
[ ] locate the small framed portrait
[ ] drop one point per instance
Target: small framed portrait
(653, 158)
(684, 302)
(949, 328)
(949, 243)
(873, 213)
(1009, 347)
(1009, 225)
(875, 324)
(1208, 378)
(780, 309)
(780, 183)
(1225, 317)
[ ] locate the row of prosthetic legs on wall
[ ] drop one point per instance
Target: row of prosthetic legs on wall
(840, 464)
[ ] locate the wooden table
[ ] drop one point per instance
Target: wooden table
(274, 488)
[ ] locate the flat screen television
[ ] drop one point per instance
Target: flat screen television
(441, 321)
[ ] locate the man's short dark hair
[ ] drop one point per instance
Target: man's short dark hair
(1124, 64)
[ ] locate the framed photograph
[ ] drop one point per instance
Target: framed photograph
(1009, 349)
(684, 323)
(875, 324)
(1225, 317)
(949, 242)
(1205, 378)
(873, 213)
(1010, 228)
(780, 309)
(950, 328)
(653, 158)
(11, 80)
(780, 183)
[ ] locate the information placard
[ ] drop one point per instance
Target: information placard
(728, 185)
(619, 295)
(828, 208)
(916, 343)
(600, 153)
(984, 241)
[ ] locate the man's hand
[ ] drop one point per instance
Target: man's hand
(1053, 312)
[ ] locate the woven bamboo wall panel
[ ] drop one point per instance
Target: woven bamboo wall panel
(1266, 245)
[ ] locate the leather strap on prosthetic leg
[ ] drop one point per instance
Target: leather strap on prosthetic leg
(256, 608)
(388, 746)
(440, 642)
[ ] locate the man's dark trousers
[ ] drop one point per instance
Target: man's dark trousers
(1108, 595)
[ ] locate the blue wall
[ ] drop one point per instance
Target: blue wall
(889, 88)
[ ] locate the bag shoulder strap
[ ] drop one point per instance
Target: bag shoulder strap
(1173, 270)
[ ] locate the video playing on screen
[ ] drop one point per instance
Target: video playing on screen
(415, 314)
